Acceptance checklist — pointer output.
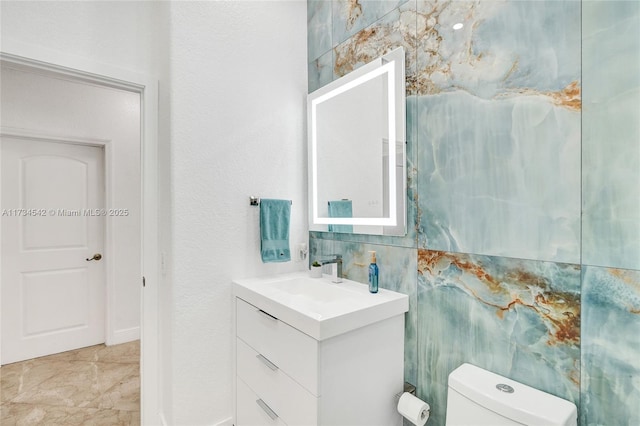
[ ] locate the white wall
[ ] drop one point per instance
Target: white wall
(238, 93)
(121, 33)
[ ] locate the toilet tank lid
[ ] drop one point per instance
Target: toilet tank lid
(525, 405)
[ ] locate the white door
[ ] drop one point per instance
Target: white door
(53, 298)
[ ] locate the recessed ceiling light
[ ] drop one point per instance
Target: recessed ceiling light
(458, 26)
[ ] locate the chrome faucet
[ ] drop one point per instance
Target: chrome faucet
(336, 271)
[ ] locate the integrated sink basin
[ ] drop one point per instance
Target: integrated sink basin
(318, 307)
(309, 289)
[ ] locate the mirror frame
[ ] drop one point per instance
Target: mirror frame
(391, 66)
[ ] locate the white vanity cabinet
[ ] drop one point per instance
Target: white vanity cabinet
(286, 376)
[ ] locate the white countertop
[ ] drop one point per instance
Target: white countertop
(318, 307)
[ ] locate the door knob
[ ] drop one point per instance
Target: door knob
(96, 256)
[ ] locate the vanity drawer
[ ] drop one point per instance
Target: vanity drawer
(296, 405)
(249, 412)
(292, 351)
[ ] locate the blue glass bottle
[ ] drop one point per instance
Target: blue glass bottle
(373, 274)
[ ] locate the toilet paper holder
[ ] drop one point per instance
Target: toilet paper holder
(408, 387)
(411, 408)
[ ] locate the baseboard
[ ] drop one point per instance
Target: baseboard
(226, 422)
(124, 336)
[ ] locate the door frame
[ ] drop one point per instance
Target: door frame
(85, 70)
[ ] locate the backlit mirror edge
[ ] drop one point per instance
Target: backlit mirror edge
(389, 69)
(396, 56)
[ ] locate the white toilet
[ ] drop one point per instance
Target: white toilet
(481, 398)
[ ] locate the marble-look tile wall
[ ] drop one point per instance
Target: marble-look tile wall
(611, 129)
(517, 318)
(610, 384)
(523, 250)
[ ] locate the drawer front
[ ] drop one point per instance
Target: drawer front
(291, 350)
(293, 403)
(250, 411)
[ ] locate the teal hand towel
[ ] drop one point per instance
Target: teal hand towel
(340, 208)
(274, 230)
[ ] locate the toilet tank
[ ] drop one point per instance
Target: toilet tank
(481, 398)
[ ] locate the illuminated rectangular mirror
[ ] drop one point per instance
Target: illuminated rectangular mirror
(357, 178)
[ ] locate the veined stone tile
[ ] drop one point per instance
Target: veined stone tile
(519, 319)
(123, 353)
(320, 71)
(124, 395)
(611, 134)
(30, 414)
(499, 177)
(114, 417)
(318, 28)
(412, 170)
(78, 386)
(351, 16)
(23, 376)
(610, 347)
(499, 128)
(504, 47)
(97, 385)
(321, 246)
(396, 29)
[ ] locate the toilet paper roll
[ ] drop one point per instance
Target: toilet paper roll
(413, 409)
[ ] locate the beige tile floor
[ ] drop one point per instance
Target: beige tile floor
(98, 385)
